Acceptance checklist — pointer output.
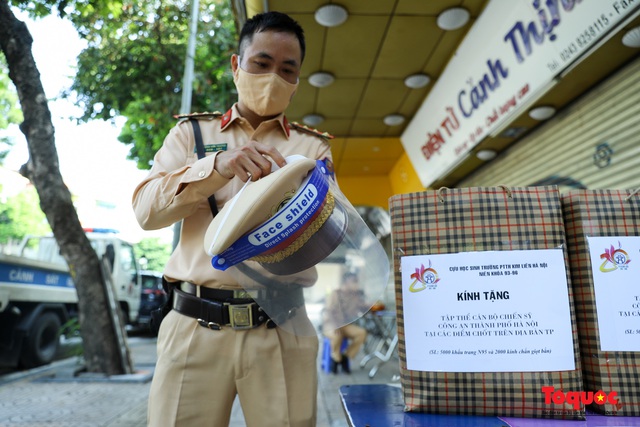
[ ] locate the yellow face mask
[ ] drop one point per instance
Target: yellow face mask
(265, 94)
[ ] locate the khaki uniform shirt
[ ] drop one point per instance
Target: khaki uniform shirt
(179, 184)
(343, 307)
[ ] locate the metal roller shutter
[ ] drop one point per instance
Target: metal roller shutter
(594, 143)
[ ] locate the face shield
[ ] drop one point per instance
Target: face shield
(290, 239)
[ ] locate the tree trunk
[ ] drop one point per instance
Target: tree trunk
(99, 338)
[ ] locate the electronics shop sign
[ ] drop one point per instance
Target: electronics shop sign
(506, 62)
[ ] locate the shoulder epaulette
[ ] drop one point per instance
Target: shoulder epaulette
(307, 129)
(198, 115)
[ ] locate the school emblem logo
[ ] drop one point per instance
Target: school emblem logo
(424, 278)
(614, 259)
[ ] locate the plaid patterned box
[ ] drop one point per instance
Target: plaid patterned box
(602, 213)
(450, 221)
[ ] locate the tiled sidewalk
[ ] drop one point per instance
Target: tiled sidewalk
(49, 396)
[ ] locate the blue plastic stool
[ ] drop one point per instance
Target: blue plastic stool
(326, 353)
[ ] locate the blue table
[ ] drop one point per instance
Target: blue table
(381, 405)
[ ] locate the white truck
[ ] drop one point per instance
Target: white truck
(37, 295)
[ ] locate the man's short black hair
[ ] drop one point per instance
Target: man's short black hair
(270, 21)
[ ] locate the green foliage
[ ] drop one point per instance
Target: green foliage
(80, 12)
(71, 329)
(155, 252)
(133, 67)
(133, 64)
(21, 215)
(10, 113)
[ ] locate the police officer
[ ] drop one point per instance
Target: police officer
(204, 364)
(344, 305)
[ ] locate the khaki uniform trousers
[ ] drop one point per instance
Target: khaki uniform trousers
(200, 371)
(354, 333)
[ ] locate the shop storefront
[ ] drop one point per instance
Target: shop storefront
(593, 143)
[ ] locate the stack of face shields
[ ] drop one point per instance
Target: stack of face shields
(271, 236)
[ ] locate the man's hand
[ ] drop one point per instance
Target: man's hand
(250, 161)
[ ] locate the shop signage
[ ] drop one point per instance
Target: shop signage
(509, 59)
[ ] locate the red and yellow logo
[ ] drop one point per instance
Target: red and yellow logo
(424, 278)
(578, 398)
(614, 259)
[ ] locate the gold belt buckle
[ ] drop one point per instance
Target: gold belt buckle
(240, 316)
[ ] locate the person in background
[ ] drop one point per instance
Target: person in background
(203, 365)
(345, 304)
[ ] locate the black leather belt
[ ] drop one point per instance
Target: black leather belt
(226, 294)
(216, 314)
(215, 308)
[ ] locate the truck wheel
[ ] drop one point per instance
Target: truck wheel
(41, 344)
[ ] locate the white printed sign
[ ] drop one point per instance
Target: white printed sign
(493, 311)
(615, 265)
(509, 58)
